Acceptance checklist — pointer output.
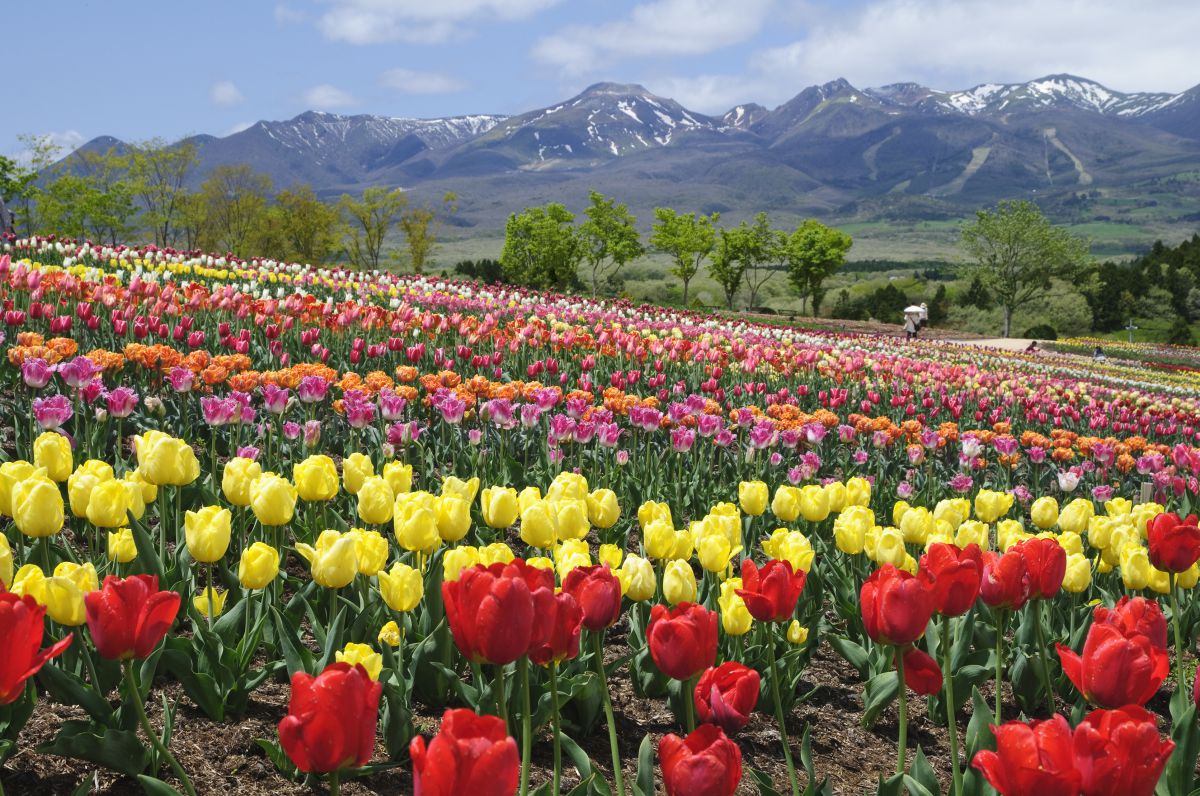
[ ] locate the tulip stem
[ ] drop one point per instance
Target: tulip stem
(334, 788)
(557, 744)
(1044, 654)
(151, 735)
(501, 697)
(689, 703)
(779, 718)
(1180, 682)
(618, 778)
(951, 725)
(209, 569)
(1001, 621)
(902, 743)
(526, 725)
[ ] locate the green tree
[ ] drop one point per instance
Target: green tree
(689, 239)
(542, 248)
(311, 229)
(727, 265)
(421, 225)
(110, 204)
(1017, 252)
(235, 205)
(158, 173)
(1180, 332)
(610, 238)
(19, 181)
(369, 218)
(761, 250)
(814, 252)
(939, 307)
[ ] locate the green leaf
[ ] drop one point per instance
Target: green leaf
(643, 783)
(118, 750)
(70, 690)
(333, 639)
(892, 786)
(147, 552)
(979, 731)
(1181, 768)
(763, 782)
(923, 776)
(881, 691)
(278, 757)
(156, 787)
(854, 653)
(297, 657)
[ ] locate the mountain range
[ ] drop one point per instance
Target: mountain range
(832, 150)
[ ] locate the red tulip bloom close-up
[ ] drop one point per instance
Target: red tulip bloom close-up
(952, 577)
(1046, 562)
(490, 612)
(771, 593)
(1174, 543)
(896, 606)
(726, 695)
(598, 593)
(129, 617)
(22, 626)
(1034, 759)
(921, 672)
(557, 627)
(1135, 616)
(682, 640)
(706, 763)
(1120, 752)
(471, 755)
(1005, 582)
(1115, 669)
(331, 719)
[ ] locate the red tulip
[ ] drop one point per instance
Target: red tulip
(921, 672)
(331, 719)
(896, 607)
(1005, 581)
(598, 593)
(1115, 669)
(1046, 562)
(1034, 759)
(490, 611)
(771, 593)
(952, 577)
(1136, 616)
(557, 625)
(706, 763)
(471, 754)
(21, 629)
(682, 640)
(1174, 543)
(128, 617)
(1120, 753)
(726, 696)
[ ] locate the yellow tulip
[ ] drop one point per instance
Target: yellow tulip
(453, 517)
(457, 559)
(791, 546)
(149, 489)
(465, 490)
(1071, 542)
(972, 532)
(1079, 573)
(1135, 566)
(851, 527)
(133, 496)
(207, 532)
(814, 503)
(889, 547)
(401, 587)
(735, 617)
(375, 501)
(81, 483)
(568, 486)
(121, 547)
(650, 511)
(356, 468)
(858, 492)
(796, 633)
(835, 496)
(611, 555)
(786, 503)
(399, 476)
(953, 511)
(415, 522)
(1009, 533)
(538, 526)
(684, 546)
(371, 549)
(361, 654)
(714, 552)
(258, 566)
(273, 499)
(1143, 513)
(38, 506)
(11, 473)
(495, 553)
(570, 517)
(201, 602)
(166, 460)
(236, 478)
(317, 479)
(1075, 515)
(334, 559)
(1044, 512)
(6, 562)
(679, 583)
(108, 504)
(1118, 506)
(27, 580)
(1188, 578)
(752, 497)
(540, 562)
(63, 597)
(52, 452)
(637, 577)
(389, 634)
(527, 497)
(499, 506)
(899, 509)
(991, 506)
(659, 539)
(916, 525)
(603, 510)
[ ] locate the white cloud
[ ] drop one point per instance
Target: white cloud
(960, 43)
(410, 81)
(286, 15)
(657, 28)
(419, 21)
(710, 93)
(65, 142)
(239, 127)
(326, 96)
(224, 92)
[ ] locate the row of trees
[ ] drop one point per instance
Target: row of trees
(544, 248)
(142, 192)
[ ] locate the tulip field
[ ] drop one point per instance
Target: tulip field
(275, 528)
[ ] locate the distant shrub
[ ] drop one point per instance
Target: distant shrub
(1040, 332)
(487, 271)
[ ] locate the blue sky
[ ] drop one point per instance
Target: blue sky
(142, 68)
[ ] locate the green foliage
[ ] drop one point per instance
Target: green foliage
(1042, 331)
(312, 230)
(486, 270)
(542, 248)
(727, 264)
(1017, 252)
(609, 238)
(369, 218)
(689, 239)
(233, 205)
(421, 225)
(158, 173)
(761, 250)
(813, 253)
(1180, 332)
(939, 307)
(977, 295)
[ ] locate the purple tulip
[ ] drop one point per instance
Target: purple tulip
(121, 402)
(51, 412)
(36, 373)
(78, 372)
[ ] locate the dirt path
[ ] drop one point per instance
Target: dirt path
(1003, 343)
